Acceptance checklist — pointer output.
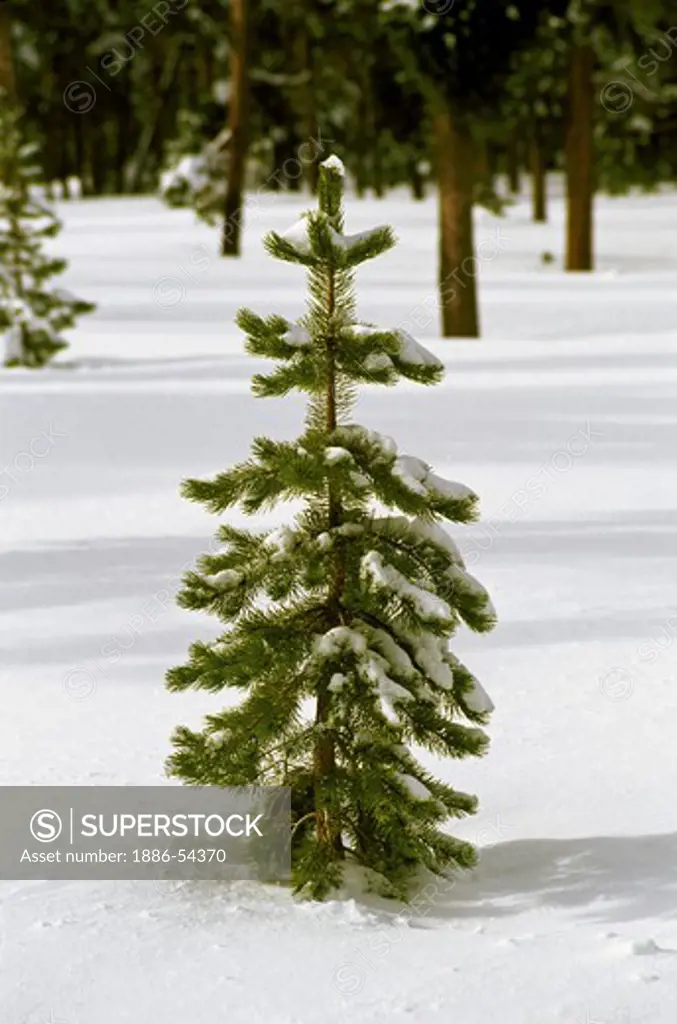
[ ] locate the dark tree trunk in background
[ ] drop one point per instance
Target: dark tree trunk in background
(538, 180)
(378, 183)
(81, 155)
(458, 267)
(308, 153)
(99, 159)
(513, 164)
(7, 84)
(122, 142)
(288, 170)
(416, 180)
(361, 142)
(274, 182)
(580, 159)
(237, 147)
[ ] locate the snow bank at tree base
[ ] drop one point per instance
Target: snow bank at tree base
(568, 436)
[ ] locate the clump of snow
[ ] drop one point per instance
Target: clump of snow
(467, 582)
(378, 361)
(396, 655)
(412, 472)
(415, 354)
(334, 163)
(430, 653)
(386, 577)
(225, 580)
(297, 336)
(63, 295)
(338, 639)
(298, 234)
(347, 242)
(363, 329)
(190, 172)
(335, 454)
(360, 434)
(448, 488)
(282, 541)
(415, 787)
(13, 349)
(420, 529)
(351, 529)
(337, 682)
(436, 534)
(417, 476)
(374, 669)
(478, 700)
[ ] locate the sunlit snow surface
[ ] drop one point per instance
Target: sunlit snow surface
(564, 421)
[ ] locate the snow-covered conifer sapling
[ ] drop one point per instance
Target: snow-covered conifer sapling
(337, 624)
(33, 315)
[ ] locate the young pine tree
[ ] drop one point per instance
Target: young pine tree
(32, 315)
(337, 625)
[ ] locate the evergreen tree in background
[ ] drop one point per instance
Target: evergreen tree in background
(337, 626)
(32, 316)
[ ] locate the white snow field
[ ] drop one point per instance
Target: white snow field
(564, 419)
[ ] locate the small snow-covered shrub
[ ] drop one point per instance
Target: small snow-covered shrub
(199, 180)
(33, 316)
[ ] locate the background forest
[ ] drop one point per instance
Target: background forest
(209, 97)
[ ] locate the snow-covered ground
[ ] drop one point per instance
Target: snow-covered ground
(564, 419)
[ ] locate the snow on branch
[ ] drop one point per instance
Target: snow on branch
(417, 476)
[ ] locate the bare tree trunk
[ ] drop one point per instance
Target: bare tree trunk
(7, 83)
(121, 142)
(416, 180)
(458, 267)
(378, 183)
(82, 165)
(361, 143)
(580, 159)
(538, 180)
(237, 120)
(513, 164)
(304, 63)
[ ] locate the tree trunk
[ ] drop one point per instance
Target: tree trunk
(458, 266)
(123, 115)
(324, 761)
(538, 180)
(279, 155)
(416, 180)
(513, 164)
(580, 159)
(237, 120)
(7, 84)
(99, 159)
(81, 157)
(361, 144)
(378, 183)
(304, 64)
